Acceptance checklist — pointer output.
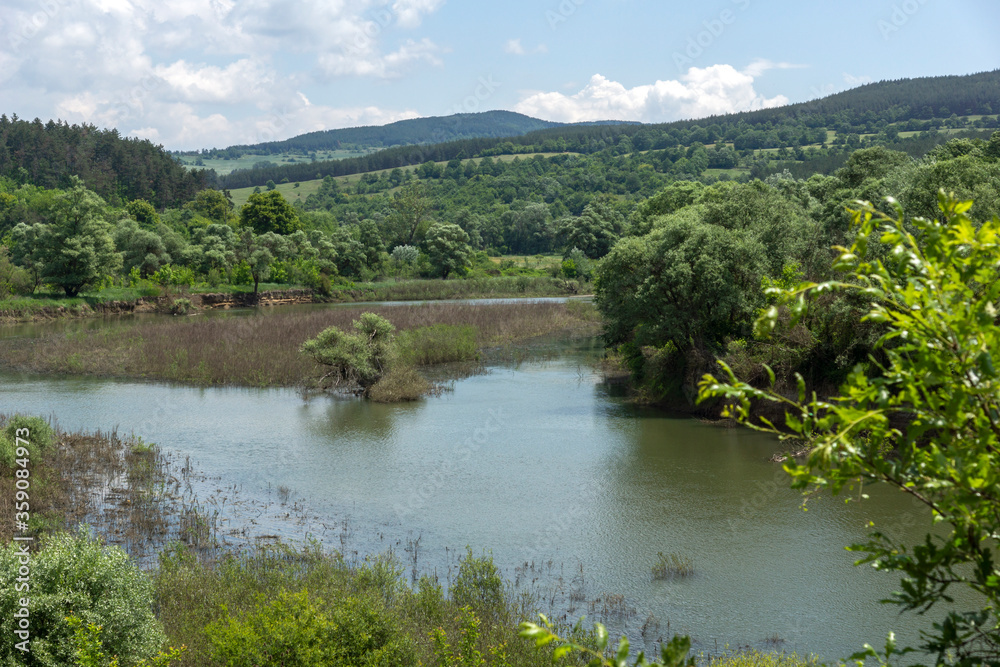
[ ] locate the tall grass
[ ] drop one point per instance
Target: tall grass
(471, 288)
(120, 485)
(754, 658)
(263, 349)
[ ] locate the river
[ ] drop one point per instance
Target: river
(572, 489)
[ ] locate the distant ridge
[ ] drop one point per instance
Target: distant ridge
(430, 130)
(866, 109)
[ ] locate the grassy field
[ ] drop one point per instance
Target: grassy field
(223, 166)
(306, 188)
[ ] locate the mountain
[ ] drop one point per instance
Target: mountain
(430, 130)
(905, 105)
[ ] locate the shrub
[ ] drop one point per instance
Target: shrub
(180, 307)
(39, 436)
(291, 631)
(479, 585)
(360, 358)
(99, 584)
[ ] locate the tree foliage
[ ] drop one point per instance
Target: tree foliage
(98, 584)
(926, 422)
(269, 212)
(75, 248)
(359, 358)
(447, 248)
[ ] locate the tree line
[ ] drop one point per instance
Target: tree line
(118, 168)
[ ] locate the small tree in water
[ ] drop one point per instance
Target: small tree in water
(358, 359)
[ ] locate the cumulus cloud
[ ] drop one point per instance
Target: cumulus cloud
(190, 73)
(409, 13)
(718, 89)
(380, 65)
(239, 82)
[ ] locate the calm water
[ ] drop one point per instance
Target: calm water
(542, 465)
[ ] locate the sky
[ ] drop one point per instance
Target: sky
(192, 74)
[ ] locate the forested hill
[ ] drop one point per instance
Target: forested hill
(117, 168)
(432, 130)
(903, 99)
(885, 108)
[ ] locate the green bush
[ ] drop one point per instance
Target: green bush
(360, 358)
(7, 453)
(479, 585)
(181, 307)
(40, 437)
(100, 585)
(291, 631)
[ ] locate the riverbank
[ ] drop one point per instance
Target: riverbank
(182, 300)
(262, 349)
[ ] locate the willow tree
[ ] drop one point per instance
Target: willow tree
(357, 359)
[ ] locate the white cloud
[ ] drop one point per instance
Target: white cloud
(409, 13)
(514, 46)
(718, 89)
(185, 72)
(239, 82)
(761, 65)
(373, 64)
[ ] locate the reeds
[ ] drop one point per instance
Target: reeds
(262, 349)
(672, 566)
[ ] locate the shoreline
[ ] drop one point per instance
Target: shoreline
(48, 309)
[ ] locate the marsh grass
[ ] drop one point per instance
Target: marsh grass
(263, 349)
(402, 383)
(672, 566)
(754, 658)
(438, 344)
(471, 288)
(128, 490)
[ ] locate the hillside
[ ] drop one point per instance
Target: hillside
(893, 108)
(117, 168)
(431, 130)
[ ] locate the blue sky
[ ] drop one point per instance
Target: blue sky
(211, 73)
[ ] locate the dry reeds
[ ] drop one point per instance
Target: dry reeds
(261, 349)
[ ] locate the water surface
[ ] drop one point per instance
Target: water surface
(573, 490)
